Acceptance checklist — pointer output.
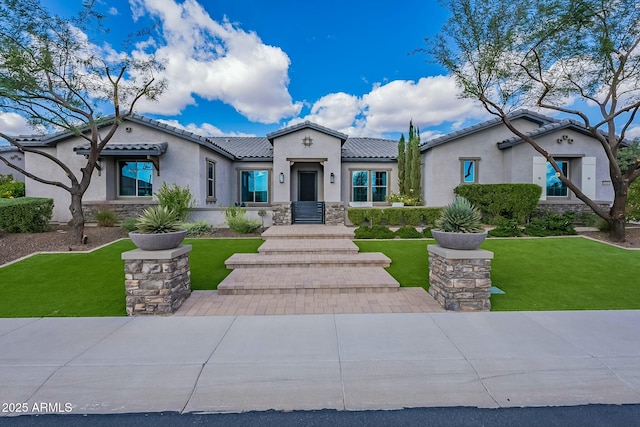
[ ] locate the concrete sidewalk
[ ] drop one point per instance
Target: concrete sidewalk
(344, 362)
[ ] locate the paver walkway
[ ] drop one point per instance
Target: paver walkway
(308, 269)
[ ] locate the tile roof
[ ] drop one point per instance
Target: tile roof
(244, 147)
(241, 148)
(369, 148)
(152, 149)
(544, 130)
(526, 114)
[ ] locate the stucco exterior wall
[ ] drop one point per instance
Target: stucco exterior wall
(324, 148)
(14, 156)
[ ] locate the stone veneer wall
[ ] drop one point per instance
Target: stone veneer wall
(460, 280)
(122, 210)
(334, 213)
(156, 282)
(575, 207)
(281, 213)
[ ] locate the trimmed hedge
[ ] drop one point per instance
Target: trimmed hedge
(393, 216)
(502, 201)
(25, 214)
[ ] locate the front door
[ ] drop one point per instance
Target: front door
(307, 186)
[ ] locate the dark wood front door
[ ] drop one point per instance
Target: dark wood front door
(307, 186)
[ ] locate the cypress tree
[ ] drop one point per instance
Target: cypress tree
(401, 164)
(416, 173)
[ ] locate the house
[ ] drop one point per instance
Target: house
(13, 155)
(308, 173)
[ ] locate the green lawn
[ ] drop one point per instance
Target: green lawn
(93, 284)
(537, 274)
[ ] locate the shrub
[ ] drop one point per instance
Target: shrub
(496, 201)
(412, 216)
(375, 232)
(408, 232)
(633, 201)
(551, 224)
(238, 222)
(10, 188)
(427, 233)
(374, 216)
(197, 228)
(157, 220)
(506, 228)
(392, 216)
(430, 215)
(25, 215)
(106, 218)
(129, 224)
(176, 199)
(356, 215)
(460, 216)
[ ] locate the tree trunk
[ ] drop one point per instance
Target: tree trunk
(77, 219)
(618, 216)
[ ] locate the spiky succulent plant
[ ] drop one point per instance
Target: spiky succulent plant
(157, 220)
(460, 217)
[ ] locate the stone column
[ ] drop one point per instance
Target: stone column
(460, 280)
(156, 282)
(281, 213)
(334, 213)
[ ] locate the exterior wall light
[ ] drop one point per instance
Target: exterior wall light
(332, 178)
(281, 177)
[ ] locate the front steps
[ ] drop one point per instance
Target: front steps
(307, 259)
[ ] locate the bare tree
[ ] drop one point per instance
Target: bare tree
(53, 76)
(579, 58)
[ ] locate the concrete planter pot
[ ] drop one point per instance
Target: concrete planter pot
(460, 241)
(158, 242)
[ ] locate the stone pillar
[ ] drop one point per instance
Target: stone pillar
(156, 282)
(460, 280)
(281, 213)
(334, 213)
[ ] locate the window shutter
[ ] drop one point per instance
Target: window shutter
(589, 177)
(540, 175)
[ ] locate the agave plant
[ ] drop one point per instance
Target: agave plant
(460, 217)
(157, 220)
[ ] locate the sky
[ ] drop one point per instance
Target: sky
(251, 67)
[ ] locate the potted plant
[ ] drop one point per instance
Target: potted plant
(395, 199)
(158, 228)
(459, 226)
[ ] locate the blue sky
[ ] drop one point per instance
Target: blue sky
(249, 67)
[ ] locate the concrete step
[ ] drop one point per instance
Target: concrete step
(308, 231)
(307, 280)
(366, 259)
(308, 246)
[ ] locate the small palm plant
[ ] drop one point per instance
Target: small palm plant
(460, 217)
(158, 220)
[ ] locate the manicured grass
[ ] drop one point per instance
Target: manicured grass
(93, 284)
(537, 274)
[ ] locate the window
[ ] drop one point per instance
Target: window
(360, 181)
(255, 186)
(469, 171)
(369, 186)
(135, 178)
(555, 187)
(211, 180)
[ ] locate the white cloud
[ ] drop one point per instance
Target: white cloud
(204, 129)
(633, 132)
(14, 124)
(217, 61)
(388, 108)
